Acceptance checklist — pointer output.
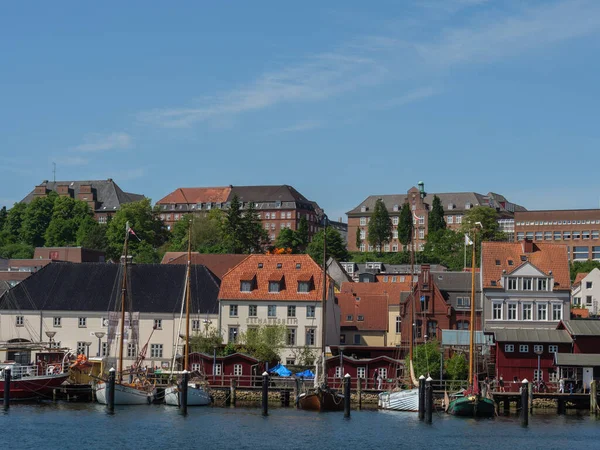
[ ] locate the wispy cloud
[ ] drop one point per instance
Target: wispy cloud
(102, 142)
(71, 160)
(300, 126)
(409, 97)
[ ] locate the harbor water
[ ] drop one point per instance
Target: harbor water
(76, 426)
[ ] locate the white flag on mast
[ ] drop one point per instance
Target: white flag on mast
(468, 240)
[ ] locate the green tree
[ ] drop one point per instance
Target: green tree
(335, 246)
(150, 231)
(36, 219)
(436, 216)
(264, 343)
(67, 217)
(405, 225)
(358, 239)
(489, 229)
(388, 258)
(445, 247)
(206, 342)
(14, 221)
(233, 227)
(426, 360)
(457, 367)
(583, 267)
(92, 235)
(301, 235)
(380, 226)
(16, 251)
(254, 236)
(286, 239)
(3, 216)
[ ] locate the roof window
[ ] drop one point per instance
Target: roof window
(493, 282)
(497, 262)
(523, 258)
(298, 265)
(279, 265)
(510, 262)
(260, 265)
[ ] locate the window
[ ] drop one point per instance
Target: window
(581, 252)
(81, 348)
(156, 350)
(547, 235)
(458, 219)
(588, 300)
(338, 372)
(218, 369)
(57, 322)
(361, 372)
(577, 301)
(383, 372)
(526, 311)
(349, 318)
(542, 284)
(82, 322)
(104, 349)
(273, 286)
(497, 311)
(566, 235)
(246, 286)
(512, 311)
(395, 236)
(418, 328)
(520, 236)
(233, 334)
(356, 339)
(538, 348)
(233, 310)
(450, 219)
(291, 336)
(290, 362)
(595, 234)
(131, 350)
(196, 367)
(542, 311)
(556, 311)
(432, 329)
(512, 284)
(310, 311)
(596, 252)
(538, 374)
(462, 325)
(303, 286)
(291, 311)
(237, 370)
(272, 310)
(310, 336)
(557, 235)
(398, 324)
(585, 235)
(527, 284)
(463, 302)
(576, 234)
(421, 220)
(395, 220)
(523, 348)
(363, 221)
(538, 235)
(252, 310)
(342, 338)
(360, 318)
(421, 234)
(20, 321)
(588, 284)
(195, 324)
(158, 324)
(553, 348)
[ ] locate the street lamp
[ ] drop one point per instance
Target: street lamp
(214, 360)
(51, 335)
(99, 335)
(539, 354)
(87, 346)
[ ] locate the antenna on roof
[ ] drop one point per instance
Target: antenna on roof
(54, 171)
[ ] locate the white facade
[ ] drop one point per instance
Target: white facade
(586, 294)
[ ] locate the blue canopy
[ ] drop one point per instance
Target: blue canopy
(305, 374)
(280, 370)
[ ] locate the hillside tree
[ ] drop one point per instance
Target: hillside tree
(405, 225)
(380, 226)
(436, 216)
(335, 246)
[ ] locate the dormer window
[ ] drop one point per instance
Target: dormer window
(305, 283)
(246, 285)
(274, 286)
(542, 284)
(512, 284)
(497, 262)
(298, 265)
(395, 207)
(511, 262)
(279, 265)
(363, 209)
(260, 265)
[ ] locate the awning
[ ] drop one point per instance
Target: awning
(275, 276)
(463, 338)
(280, 370)
(577, 359)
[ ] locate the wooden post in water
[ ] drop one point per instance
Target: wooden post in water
(297, 392)
(7, 376)
(428, 400)
(506, 406)
(530, 395)
(347, 380)
(183, 392)
(110, 391)
(422, 397)
(265, 393)
(525, 403)
(359, 392)
(593, 397)
(233, 391)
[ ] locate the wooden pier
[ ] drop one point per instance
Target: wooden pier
(503, 400)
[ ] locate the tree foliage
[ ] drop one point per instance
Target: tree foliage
(16, 251)
(457, 367)
(233, 228)
(68, 215)
(36, 219)
(207, 342)
(301, 240)
(264, 342)
(445, 247)
(335, 246)
(3, 216)
(243, 233)
(405, 225)
(286, 239)
(14, 221)
(388, 258)
(489, 229)
(436, 220)
(583, 267)
(380, 226)
(426, 360)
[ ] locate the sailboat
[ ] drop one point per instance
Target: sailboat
(472, 403)
(197, 395)
(322, 398)
(405, 399)
(137, 393)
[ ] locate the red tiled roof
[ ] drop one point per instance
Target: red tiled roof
(580, 277)
(217, 263)
(373, 309)
(545, 257)
(197, 195)
(305, 276)
(276, 276)
(392, 290)
(230, 283)
(247, 276)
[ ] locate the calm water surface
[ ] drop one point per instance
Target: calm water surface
(77, 426)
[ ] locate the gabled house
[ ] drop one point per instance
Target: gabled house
(364, 319)
(585, 293)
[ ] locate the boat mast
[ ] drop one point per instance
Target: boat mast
(472, 324)
(412, 302)
(123, 299)
(187, 300)
(324, 303)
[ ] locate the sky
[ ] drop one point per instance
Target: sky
(339, 99)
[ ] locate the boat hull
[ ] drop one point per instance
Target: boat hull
(124, 395)
(472, 406)
(406, 400)
(321, 401)
(196, 396)
(33, 387)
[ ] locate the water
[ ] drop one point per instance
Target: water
(78, 426)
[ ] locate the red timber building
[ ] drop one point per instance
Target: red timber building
(220, 370)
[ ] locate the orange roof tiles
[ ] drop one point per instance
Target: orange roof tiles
(580, 277)
(372, 308)
(197, 195)
(392, 290)
(217, 263)
(545, 257)
(230, 284)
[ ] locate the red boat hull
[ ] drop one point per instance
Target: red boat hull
(34, 387)
(322, 401)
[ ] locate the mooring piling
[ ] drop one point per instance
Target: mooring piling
(422, 397)
(525, 403)
(183, 392)
(265, 393)
(347, 380)
(428, 400)
(110, 391)
(7, 376)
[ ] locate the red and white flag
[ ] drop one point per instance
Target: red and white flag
(130, 231)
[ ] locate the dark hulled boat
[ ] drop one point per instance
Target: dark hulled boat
(321, 400)
(472, 406)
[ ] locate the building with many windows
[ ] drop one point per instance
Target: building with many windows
(578, 229)
(585, 293)
(282, 290)
(524, 284)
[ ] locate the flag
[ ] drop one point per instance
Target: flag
(468, 240)
(130, 231)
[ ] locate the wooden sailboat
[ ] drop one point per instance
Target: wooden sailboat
(197, 395)
(472, 403)
(322, 398)
(137, 393)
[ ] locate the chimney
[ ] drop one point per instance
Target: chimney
(527, 246)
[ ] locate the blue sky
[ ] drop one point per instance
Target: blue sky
(341, 101)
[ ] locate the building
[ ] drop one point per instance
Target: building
(218, 264)
(367, 369)
(341, 228)
(219, 370)
(68, 254)
(278, 207)
(104, 197)
(585, 292)
(68, 304)
(384, 272)
(363, 319)
(283, 290)
(578, 229)
(524, 284)
(455, 206)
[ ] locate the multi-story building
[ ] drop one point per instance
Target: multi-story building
(364, 319)
(278, 207)
(578, 229)
(455, 206)
(585, 292)
(71, 305)
(104, 197)
(283, 290)
(524, 285)
(384, 272)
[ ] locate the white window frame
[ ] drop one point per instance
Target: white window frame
(559, 308)
(158, 324)
(238, 369)
(552, 348)
(218, 368)
(82, 322)
(233, 310)
(156, 350)
(497, 308)
(361, 372)
(515, 308)
(537, 311)
(20, 321)
(523, 348)
(57, 322)
(311, 311)
(538, 348)
(530, 309)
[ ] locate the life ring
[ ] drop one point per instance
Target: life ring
(53, 369)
